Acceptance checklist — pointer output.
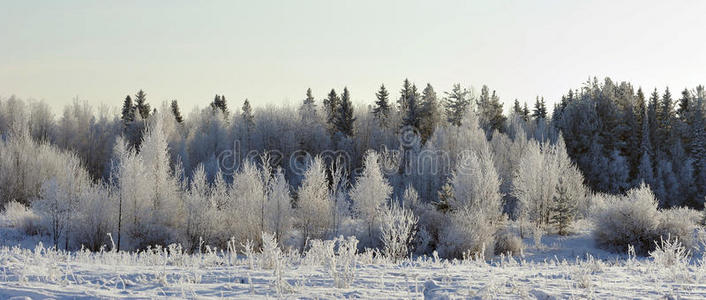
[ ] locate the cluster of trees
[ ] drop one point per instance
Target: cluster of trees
(619, 138)
(425, 173)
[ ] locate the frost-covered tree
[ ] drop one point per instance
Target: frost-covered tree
(279, 213)
(165, 209)
(398, 228)
(313, 207)
(476, 185)
(370, 194)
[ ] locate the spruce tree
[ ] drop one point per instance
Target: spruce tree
(307, 111)
(382, 105)
(652, 117)
(141, 105)
(128, 111)
(176, 112)
(563, 209)
(684, 106)
(219, 102)
(410, 106)
(430, 112)
(525, 112)
(331, 104)
(666, 117)
(495, 115)
(247, 115)
(540, 109)
(516, 108)
(344, 116)
(456, 103)
(405, 94)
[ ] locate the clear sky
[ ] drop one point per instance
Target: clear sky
(271, 51)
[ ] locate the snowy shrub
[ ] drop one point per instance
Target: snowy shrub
(679, 224)
(508, 243)
(467, 234)
(18, 216)
(670, 252)
(271, 254)
(634, 220)
(631, 220)
(397, 229)
(338, 256)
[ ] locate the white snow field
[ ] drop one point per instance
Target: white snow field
(565, 267)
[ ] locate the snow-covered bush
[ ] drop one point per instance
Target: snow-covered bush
(634, 219)
(678, 224)
(338, 256)
(467, 234)
(397, 231)
(629, 220)
(21, 217)
(670, 253)
(508, 243)
(271, 254)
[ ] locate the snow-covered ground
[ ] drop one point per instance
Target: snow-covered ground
(565, 267)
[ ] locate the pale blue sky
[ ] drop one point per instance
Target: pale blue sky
(271, 51)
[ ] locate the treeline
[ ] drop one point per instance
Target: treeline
(454, 167)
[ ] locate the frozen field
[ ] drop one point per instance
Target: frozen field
(562, 268)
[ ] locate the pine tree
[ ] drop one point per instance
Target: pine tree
(516, 108)
(653, 109)
(141, 105)
(490, 111)
(344, 116)
(247, 115)
(684, 106)
(540, 109)
(563, 209)
(382, 105)
(219, 102)
(430, 113)
(307, 111)
(410, 106)
(128, 111)
(698, 144)
(331, 105)
(456, 103)
(666, 117)
(525, 112)
(176, 112)
(405, 94)
(446, 196)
